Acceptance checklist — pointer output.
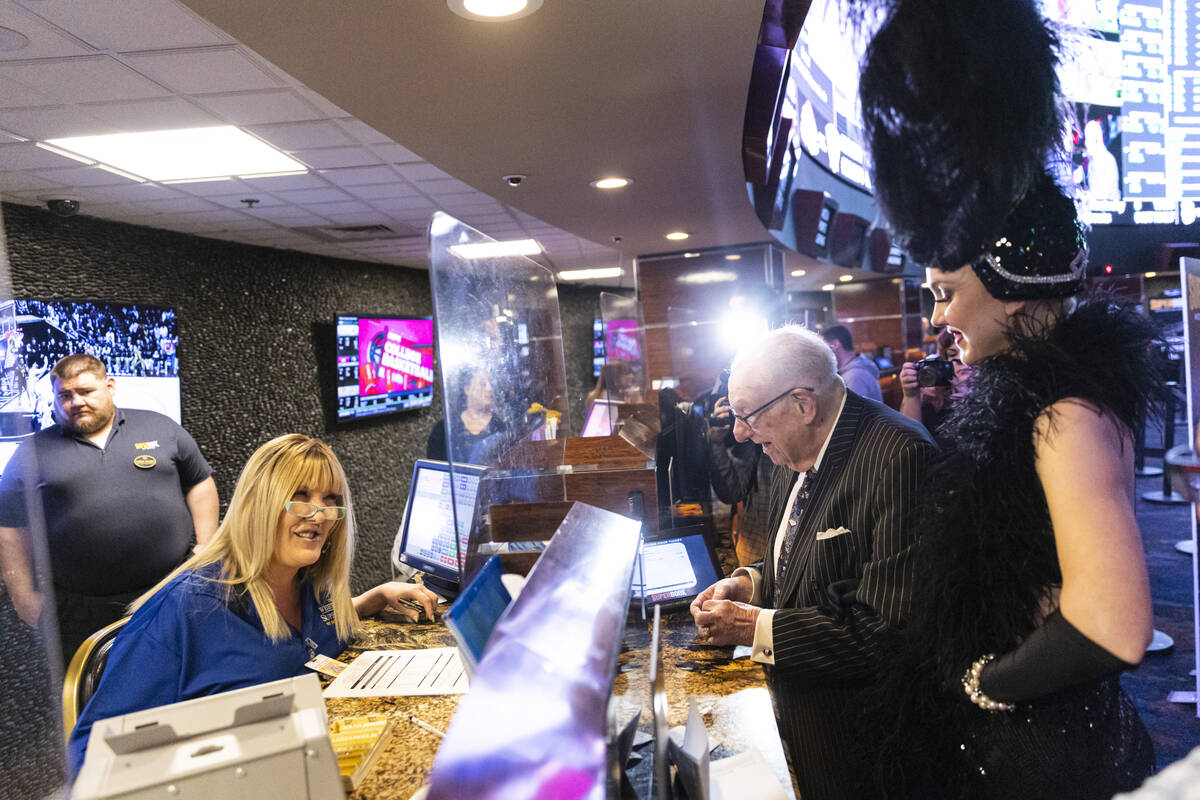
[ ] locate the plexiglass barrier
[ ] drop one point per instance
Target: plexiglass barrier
(622, 382)
(31, 731)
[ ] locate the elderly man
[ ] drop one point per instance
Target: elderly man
(837, 573)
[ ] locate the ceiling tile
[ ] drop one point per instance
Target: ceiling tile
(303, 135)
(78, 80)
(394, 204)
(14, 94)
(217, 215)
(421, 172)
(183, 205)
(45, 41)
(80, 175)
(279, 183)
(211, 69)
(54, 122)
(310, 196)
(349, 207)
(255, 108)
(395, 153)
(384, 190)
(106, 24)
(363, 133)
(235, 200)
(296, 218)
(322, 105)
(356, 176)
(157, 114)
(25, 182)
(332, 157)
(135, 192)
(448, 186)
(27, 155)
(207, 188)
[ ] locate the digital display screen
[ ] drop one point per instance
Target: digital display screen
(138, 344)
(427, 531)
(1131, 67)
(383, 365)
(676, 568)
(621, 340)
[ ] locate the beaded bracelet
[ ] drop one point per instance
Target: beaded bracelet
(970, 684)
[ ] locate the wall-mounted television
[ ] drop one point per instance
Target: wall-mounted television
(138, 344)
(384, 365)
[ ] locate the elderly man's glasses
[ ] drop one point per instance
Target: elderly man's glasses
(308, 511)
(745, 418)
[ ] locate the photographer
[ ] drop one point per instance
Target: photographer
(931, 384)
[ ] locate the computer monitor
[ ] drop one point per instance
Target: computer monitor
(473, 616)
(679, 564)
(601, 418)
(425, 541)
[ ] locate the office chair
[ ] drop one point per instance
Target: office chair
(84, 671)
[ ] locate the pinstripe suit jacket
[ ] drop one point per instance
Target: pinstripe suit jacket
(842, 592)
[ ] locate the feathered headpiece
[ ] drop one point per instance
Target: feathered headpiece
(960, 108)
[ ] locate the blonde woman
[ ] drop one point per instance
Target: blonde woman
(270, 592)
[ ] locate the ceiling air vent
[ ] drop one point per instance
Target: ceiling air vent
(360, 233)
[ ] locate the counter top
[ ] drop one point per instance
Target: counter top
(731, 693)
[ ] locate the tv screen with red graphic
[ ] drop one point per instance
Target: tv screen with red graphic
(384, 365)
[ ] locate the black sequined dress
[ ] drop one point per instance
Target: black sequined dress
(987, 551)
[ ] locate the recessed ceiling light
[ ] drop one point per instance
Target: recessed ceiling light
(846, 278)
(712, 276)
(11, 40)
(494, 10)
(589, 274)
(691, 255)
(799, 273)
(1151, 274)
(733, 257)
(677, 236)
(611, 183)
(516, 247)
(188, 154)
(827, 287)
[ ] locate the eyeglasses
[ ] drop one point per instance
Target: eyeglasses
(308, 511)
(745, 418)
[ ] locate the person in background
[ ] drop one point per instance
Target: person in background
(269, 593)
(472, 426)
(858, 372)
(123, 493)
(930, 405)
(740, 475)
(836, 574)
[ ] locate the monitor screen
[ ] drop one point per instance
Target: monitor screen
(677, 568)
(426, 537)
(384, 365)
(138, 344)
(601, 419)
(473, 616)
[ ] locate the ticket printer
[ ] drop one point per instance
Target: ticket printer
(270, 740)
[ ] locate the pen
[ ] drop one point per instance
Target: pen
(413, 604)
(423, 724)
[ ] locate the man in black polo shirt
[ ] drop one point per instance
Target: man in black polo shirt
(121, 491)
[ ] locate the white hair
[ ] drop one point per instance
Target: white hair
(787, 356)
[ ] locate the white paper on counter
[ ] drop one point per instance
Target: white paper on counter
(395, 673)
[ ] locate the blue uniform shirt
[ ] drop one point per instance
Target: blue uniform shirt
(189, 641)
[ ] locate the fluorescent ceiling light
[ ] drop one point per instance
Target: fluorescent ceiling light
(611, 183)
(827, 287)
(733, 257)
(516, 247)
(691, 255)
(799, 273)
(588, 274)
(846, 278)
(182, 155)
(711, 276)
(677, 236)
(494, 10)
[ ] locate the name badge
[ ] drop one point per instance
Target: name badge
(144, 462)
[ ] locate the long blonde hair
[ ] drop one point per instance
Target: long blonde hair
(245, 541)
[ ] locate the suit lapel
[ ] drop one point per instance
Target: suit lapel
(828, 476)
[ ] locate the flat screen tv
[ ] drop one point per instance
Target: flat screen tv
(139, 345)
(384, 365)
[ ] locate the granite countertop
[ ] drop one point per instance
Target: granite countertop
(731, 694)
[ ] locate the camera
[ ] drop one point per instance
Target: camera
(63, 206)
(934, 371)
(514, 180)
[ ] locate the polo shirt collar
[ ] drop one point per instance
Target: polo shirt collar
(118, 421)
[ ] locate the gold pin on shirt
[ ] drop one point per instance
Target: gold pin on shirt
(144, 462)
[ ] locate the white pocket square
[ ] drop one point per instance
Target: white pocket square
(832, 533)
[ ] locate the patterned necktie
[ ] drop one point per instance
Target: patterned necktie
(793, 522)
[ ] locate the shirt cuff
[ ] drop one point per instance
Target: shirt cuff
(763, 650)
(755, 581)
